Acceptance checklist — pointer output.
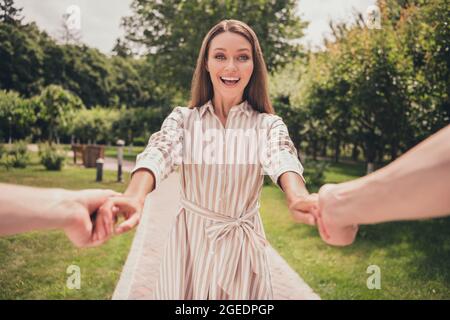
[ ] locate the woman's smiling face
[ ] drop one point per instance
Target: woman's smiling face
(230, 64)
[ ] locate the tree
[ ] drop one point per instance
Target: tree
(9, 13)
(94, 125)
(425, 39)
(21, 58)
(87, 73)
(16, 116)
(171, 32)
(382, 90)
(56, 109)
(122, 49)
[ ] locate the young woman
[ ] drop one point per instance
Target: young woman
(216, 249)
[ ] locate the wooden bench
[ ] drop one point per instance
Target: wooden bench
(88, 153)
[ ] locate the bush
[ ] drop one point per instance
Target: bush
(17, 156)
(140, 141)
(51, 157)
(267, 180)
(315, 173)
(16, 116)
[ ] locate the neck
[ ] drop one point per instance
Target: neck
(222, 105)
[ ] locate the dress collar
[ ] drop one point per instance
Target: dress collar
(243, 107)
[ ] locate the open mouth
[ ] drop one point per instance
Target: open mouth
(230, 81)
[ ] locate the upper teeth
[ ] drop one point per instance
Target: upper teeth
(230, 79)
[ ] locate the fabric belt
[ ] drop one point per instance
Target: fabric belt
(243, 241)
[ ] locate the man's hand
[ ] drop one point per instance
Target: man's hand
(129, 207)
(331, 228)
(78, 207)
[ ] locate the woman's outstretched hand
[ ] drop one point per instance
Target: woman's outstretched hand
(302, 208)
(305, 209)
(107, 216)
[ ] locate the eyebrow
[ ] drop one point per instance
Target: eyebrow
(243, 49)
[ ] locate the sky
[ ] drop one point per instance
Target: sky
(320, 12)
(100, 19)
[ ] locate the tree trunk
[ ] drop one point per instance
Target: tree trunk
(355, 152)
(324, 148)
(314, 149)
(50, 135)
(370, 167)
(371, 154)
(337, 150)
(394, 151)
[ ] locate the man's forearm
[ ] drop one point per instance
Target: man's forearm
(414, 186)
(26, 208)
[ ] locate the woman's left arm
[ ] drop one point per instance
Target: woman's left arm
(285, 169)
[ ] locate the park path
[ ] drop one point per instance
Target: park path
(141, 270)
(111, 164)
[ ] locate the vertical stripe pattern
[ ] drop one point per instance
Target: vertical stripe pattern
(216, 247)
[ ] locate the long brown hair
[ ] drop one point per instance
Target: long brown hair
(256, 92)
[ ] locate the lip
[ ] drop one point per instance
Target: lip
(229, 85)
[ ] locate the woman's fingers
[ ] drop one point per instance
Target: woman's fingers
(92, 199)
(128, 224)
(320, 225)
(304, 217)
(124, 205)
(108, 214)
(304, 204)
(103, 224)
(303, 209)
(130, 208)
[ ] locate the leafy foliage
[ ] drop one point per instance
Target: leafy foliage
(51, 157)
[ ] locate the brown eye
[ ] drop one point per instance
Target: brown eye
(220, 57)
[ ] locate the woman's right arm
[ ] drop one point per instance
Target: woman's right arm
(141, 184)
(162, 154)
(130, 204)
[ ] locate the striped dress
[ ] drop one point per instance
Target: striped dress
(217, 246)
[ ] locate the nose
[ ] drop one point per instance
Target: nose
(230, 65)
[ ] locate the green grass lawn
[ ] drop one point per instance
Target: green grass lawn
(414, 257)
(33, 265)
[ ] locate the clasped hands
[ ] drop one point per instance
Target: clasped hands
(91, 215)
(319, 209)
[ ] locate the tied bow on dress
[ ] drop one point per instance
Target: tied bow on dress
(242, 240)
